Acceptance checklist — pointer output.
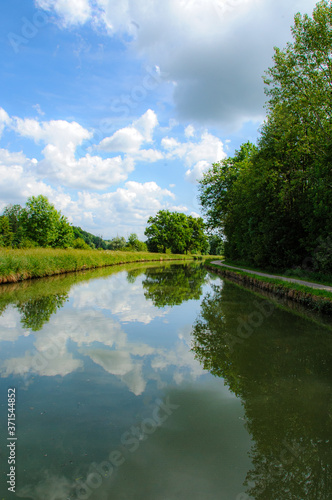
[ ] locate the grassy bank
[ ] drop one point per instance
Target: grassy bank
(17, 265)
(296, 273)
(315, 299)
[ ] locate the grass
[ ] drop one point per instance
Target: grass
(296, 273)
(280, 283)
(18, 264)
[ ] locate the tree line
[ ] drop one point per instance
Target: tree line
(272, 201)
(39, 224)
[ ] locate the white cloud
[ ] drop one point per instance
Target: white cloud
(62, 139)
(198, 156)
(130, 139)
(146, 124)
(189, 131)
(4, 120)
(196, 173)
(38, 109)
(71, 12)
(60, 133)
(18, 179)
(123, 211)
(210, 50)
(127, 140)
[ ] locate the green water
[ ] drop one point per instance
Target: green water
(163, 382)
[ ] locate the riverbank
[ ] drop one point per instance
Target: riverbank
(317, 299)
(18, 264)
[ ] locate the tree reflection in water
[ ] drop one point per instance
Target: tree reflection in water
(172, 285)
(36, 312)
(283, 374)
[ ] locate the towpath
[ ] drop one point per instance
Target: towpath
(284, 278)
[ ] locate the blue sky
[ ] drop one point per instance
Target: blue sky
(114, 109)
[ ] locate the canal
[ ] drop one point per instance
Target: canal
(162, 382)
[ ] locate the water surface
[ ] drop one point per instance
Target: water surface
(162, 381)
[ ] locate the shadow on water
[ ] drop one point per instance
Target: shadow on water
(280, 365)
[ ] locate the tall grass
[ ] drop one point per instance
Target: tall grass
(20, 264)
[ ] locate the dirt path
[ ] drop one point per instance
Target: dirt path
(291, 280)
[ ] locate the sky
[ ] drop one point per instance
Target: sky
(114, 109)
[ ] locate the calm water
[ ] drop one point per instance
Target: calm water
(163, 382)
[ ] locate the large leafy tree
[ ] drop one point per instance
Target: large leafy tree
(177, 232)
(301, 78)
(273, 202)
(45, 225)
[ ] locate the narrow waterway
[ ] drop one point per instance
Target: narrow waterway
(162, 382)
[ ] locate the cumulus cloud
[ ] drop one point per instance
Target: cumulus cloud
(18, 178)
(130, 139)
(197, 156)
(210, 50)
(124, 208)
(71, 12)
(60, 163)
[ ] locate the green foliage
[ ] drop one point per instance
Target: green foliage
(217, 245)
(65, 236)
(117, 243)
(90, 239)
(27, 243)
(6, 235)
(40, 221)
(14, 212)
(273, 202)
(80, 243)
(176, 231)
(135, 244)
(37, 223)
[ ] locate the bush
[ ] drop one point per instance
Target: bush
(27, 243)
(80, 244)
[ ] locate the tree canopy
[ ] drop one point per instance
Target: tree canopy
(273, 202)
(38, 223)
(176, 232)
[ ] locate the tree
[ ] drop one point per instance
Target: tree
(216, 187)
(196, 240)
(6, 235)
(273, 202)
(135, 244)
(177, 232)
(117, 243)
(80, 244)
(159, 232)
(14, 212)
(301, 77)
(43, 224)
(216, 244)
